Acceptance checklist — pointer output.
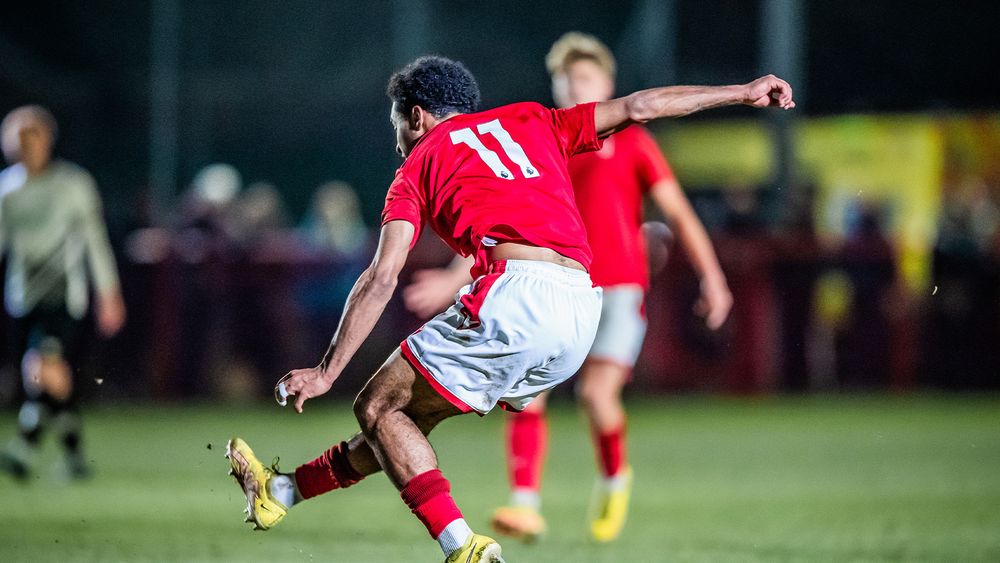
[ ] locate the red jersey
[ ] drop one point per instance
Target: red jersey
(609, 185)
(497, 176)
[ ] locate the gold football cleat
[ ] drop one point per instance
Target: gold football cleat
(263, 510)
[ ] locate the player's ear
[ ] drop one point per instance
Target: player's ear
(416, 118)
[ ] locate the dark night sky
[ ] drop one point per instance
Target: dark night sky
(292, 92)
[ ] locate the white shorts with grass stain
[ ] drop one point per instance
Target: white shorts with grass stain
(519, 330)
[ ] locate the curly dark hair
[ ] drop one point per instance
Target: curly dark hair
(437, 84)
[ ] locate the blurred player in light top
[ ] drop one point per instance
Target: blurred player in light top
(494, 185)
(609, 185)
(53, 233)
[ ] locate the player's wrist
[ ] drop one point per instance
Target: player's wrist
(713, 279)
(326, 369)
(741, 93)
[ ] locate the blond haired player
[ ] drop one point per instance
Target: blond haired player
(609, 185)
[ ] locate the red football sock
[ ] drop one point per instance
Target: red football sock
(331, 470)
(610, 450)
(527, 441)
(429, 497)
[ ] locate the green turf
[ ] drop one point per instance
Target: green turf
(827, 479)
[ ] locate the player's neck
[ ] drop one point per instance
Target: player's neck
(35, 171)
(435, 121)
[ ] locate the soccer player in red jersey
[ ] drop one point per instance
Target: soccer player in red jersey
(610, 185)
(494, 185)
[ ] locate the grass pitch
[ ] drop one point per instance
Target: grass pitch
(815, 479)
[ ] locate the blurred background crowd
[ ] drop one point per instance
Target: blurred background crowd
(243, 166)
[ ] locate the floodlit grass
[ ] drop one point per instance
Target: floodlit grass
(816, 479)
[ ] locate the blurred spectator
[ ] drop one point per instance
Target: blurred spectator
(747, 251)
(263, 292)
(970, 221)
(868, 259)
(206, 221)
(334, 222)
(205, 244)
(963, 315)
(797, 266)
(341, 245)
(258, 213)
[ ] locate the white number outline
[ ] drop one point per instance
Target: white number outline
(513, 149)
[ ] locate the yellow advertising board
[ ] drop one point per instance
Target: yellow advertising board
(895, 162)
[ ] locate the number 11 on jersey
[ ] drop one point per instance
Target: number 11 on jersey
(510, 147)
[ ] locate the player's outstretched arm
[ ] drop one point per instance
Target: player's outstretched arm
(364, 306)
(676, 101)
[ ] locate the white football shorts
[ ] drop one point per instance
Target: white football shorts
(519, 330)
(623, 326)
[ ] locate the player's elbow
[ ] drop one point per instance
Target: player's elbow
(639, 108)
(382, 281)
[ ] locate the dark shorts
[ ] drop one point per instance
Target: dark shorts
(47, 328)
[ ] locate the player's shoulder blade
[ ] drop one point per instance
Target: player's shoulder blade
(517, 110)
(71, 172)
(66, 167)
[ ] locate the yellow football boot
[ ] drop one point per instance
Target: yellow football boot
(609, 507)
(519, 522)
(477, 549)
(251, 475)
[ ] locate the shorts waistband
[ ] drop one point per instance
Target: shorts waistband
(548, 270)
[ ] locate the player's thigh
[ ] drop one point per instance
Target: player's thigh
(58, 341)
(39, 345)
(397, 387)
(622, 327)
(601, 379)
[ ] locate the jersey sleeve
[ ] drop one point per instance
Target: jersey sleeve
(576, 129)
(3, 229)
(10, 179)
(651, 165)
(100, 258)
(403, 203)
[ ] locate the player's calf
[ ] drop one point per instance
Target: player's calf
(270, 493)
(332, 470)
(17, 458)
(396, 410)
(429, 497)
(527, 437)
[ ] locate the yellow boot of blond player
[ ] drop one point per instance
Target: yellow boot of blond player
(609, 506)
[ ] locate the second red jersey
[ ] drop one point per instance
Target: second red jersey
(498, 176)
(609, 186)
